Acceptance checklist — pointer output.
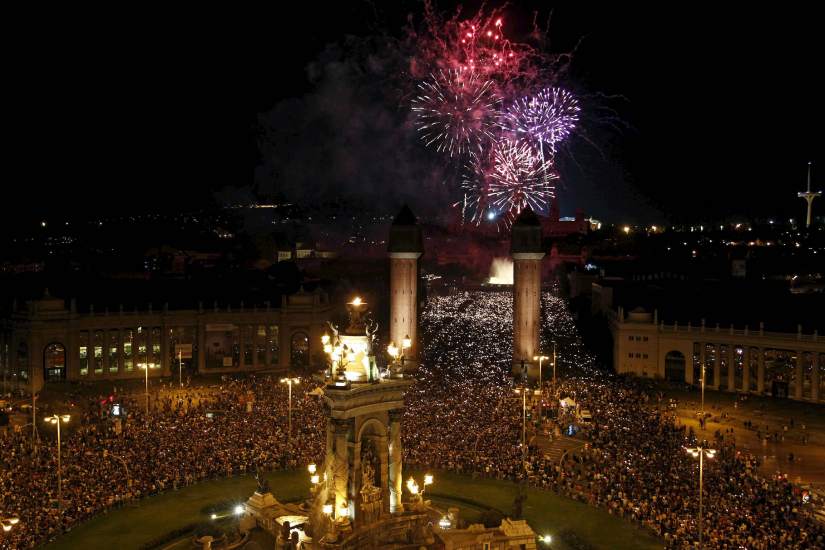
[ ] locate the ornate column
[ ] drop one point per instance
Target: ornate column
(384, 462)
(760, 372)
(800, 374)
(340, 466)
(731, 368)
(396, 476)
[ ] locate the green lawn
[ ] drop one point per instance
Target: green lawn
(546, 512)
(130, 527)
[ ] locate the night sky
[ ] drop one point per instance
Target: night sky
(720, 111)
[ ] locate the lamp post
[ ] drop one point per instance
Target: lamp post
(701, 452)
(314, 477)
(327, 510)
(329, 350)
(541, 358)
(393, 352)
(416, 491)
(554, 365)
(289, 381)
(56, 419)
(406, 344)
(106, 453)
(523, 392)
(702, 405)
(146, 369)
(34, 422)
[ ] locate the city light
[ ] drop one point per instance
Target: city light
(238, 510)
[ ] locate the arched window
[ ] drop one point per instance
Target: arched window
(299, 350)
(675, 366)
(54, 363)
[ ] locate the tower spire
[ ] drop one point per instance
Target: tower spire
(809, 176)
(809, 196)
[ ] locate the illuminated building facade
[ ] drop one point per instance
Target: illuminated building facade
(44, 341)
(738, 360)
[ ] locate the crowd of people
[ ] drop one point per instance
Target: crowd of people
(190, 435)
(462, 415)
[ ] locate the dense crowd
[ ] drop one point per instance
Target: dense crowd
(462, 415)
(634, 464)
(191, 435)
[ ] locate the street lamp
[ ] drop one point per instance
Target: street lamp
(428, 480)
(416, 491)
(523, 392)
(406, 344)
(701, 452)
(289, 381)
(393, 352)
(146, 369)
(702, 407)
(554, 364)
(56, 419)
(541, 358)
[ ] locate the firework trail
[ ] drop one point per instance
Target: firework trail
(456, 111)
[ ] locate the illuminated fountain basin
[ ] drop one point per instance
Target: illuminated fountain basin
(501, 272)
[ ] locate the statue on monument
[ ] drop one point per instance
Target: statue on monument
(370, 491)
(371, 329)
(357, 312)
(263, 484)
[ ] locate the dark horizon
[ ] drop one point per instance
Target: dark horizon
(719, 113)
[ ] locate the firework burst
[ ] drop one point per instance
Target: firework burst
(519, 178)
(467, 71)
(456, 111)
(499, 185)
(547, 117)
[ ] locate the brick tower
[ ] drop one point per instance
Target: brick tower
(404, 249)
(526, 249)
